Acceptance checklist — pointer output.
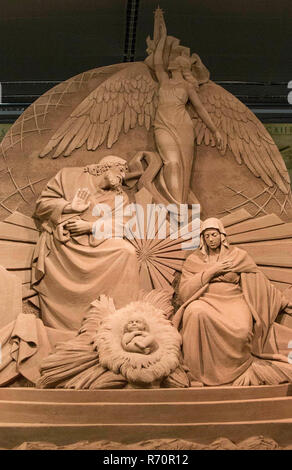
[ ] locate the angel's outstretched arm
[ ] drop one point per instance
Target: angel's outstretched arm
(204, 115)
(158, 56)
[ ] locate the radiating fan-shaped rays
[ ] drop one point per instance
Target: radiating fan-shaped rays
(18, 237)
(161, 247)
(267, 239)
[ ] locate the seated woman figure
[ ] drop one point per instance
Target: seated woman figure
(227, 319)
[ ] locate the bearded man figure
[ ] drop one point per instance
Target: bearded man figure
(72, 266)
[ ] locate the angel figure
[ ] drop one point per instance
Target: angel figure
(189, 117)
(173, 126)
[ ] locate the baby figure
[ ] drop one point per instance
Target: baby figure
(136, 337)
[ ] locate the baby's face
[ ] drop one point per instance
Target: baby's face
(136, 324)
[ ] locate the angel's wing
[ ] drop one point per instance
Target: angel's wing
(120, 103)
(160, 298)
(243, 134)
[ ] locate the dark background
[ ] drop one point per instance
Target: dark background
(248, 42)
(56, 39)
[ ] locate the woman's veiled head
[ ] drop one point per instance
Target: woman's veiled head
(212, 235)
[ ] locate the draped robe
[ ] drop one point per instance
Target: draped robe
(228, 325)
(71, 271)
(173, 127)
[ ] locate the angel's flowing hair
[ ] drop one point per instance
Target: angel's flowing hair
(188, 76)
(183, 64)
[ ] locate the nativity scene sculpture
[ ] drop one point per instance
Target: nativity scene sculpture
(104, 318)
(133, 347)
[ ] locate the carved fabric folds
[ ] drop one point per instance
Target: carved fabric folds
(173, 123)
(25, 343)
(95, 359)
(70, 272)
(228, 329)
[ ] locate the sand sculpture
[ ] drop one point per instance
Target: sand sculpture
(153, 132)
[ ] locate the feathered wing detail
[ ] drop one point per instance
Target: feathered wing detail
(159, 298)
(75, 363)
(99, 310)
(243, 134)
(126, 99)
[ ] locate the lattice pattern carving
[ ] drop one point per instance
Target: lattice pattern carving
(283, 200)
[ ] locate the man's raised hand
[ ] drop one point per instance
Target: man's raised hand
(80, 201)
